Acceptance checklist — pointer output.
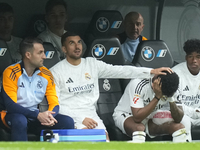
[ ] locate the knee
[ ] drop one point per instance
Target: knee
(140, 127)
(69, 122)
(18, 121)
(66, 122)
(177, 126)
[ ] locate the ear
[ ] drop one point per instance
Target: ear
(64, 49)
(28, 55)
(142, 27)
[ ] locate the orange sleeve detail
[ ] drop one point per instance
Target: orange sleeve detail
(51, 94)
(10, 83)
(144, 39)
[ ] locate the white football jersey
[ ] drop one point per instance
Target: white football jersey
(138, 94)
(77, 86)
(189, 86)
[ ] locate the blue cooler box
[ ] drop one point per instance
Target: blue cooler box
(74, 135)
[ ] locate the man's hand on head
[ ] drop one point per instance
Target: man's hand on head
(159, 71)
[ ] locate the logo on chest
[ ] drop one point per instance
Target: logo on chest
(39, 84)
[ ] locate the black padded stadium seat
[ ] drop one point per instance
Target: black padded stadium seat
(104, 23)
(106, 49)
(51, 55)
(153, 54)
(36, 25)
(5, 56)
(110, 94)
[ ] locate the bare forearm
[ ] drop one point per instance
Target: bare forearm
(176, 112)
(142, 113)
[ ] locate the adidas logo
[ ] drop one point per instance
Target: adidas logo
(69, 80)
(22, 85)
(186, 88)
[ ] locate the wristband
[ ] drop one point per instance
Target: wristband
(170, 99)
(157, 98)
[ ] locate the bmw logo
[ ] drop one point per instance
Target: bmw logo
(40, 26)
(147, 53)
(98, 51)
(102, 24)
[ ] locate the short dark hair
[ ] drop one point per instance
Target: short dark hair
(192, 45)
(170, 83)
(27, 44)
(51, 3)
(67, 34)
(4, 7)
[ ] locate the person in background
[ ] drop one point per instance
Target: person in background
(25, 84)
(131, 37)
(189, 87)
(56, 18)
(6, 27)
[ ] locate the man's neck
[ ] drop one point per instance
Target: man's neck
(74, 62)
(58, 32)
(29, 68)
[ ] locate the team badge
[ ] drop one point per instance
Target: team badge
(49, 54)
(40, 26)
(39, 85)
(102, 24)
(147, 53)
(98, 51)
(106, 85)
(2, 51)
(87, 76)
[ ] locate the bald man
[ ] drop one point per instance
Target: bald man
(131, 37)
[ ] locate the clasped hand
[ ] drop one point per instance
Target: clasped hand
(46, 118)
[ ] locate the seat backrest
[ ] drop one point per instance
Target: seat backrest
(106, 49)
(104, 23)
(153, 54)
(36, 25)
(110, 94)
(5, 56)
(51, 55)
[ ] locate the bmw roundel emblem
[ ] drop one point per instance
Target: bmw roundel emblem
(40, 26)
(147, 53)
(102, 24)
(98, 51)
